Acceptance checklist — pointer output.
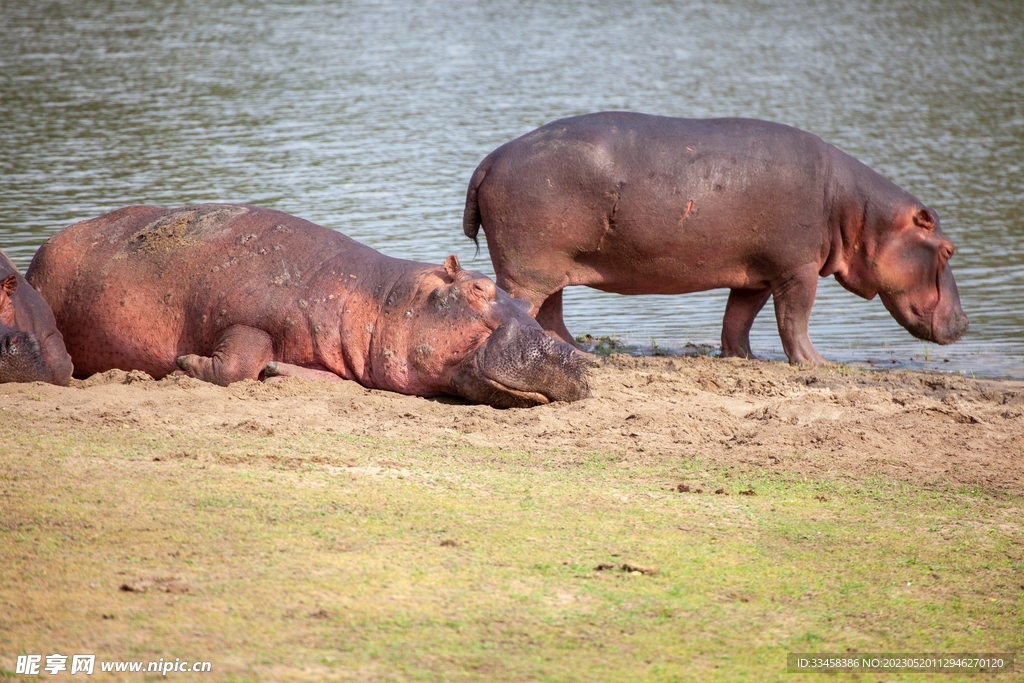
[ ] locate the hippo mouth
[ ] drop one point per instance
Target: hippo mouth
(519, 367)
(21, 359)
(940, 326)
(948, 328)
(944, 323)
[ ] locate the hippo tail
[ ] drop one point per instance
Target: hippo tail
(471, 222)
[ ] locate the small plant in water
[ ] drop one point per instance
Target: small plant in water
(606, 346)
(602, 346)
(845, 369)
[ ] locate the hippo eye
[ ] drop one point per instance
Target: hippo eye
(443, 295)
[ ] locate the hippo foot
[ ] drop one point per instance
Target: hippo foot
(814, 361)
(275, 371)
(745, 355)
(587, 355)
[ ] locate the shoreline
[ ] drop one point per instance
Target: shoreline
(925, 428)
(978, 360)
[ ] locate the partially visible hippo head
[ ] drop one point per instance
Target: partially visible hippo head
(520, 366)
(21, 359)
(471, 339)
(908, 267)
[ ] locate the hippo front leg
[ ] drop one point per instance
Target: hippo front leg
(550, 318)
(740, 311)
(794, 297)
(241, 353)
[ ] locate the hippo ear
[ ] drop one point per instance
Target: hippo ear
(452, 267)
(925, 219)
(6, 305)
(10, 284)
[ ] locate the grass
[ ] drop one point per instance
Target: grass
(326, 557)
(609, 345)
(602, 346)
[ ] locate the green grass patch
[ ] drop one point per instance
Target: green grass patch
(327, 557)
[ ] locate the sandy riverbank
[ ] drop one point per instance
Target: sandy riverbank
(923, 428)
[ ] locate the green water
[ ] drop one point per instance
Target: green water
(370, 117)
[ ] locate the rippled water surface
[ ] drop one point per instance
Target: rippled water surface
(370, 117)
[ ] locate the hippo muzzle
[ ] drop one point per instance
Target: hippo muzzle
(519, 367)
(944, 324)
(21, 359)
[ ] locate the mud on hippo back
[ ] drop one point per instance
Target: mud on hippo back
(225, 292)
(31, 348)
(639, 204)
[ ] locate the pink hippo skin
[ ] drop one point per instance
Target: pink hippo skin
(229, 292)
(31, 348)
(640, 204)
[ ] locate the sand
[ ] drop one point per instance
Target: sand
(834, 422)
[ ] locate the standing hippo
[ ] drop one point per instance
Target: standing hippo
(228, 292)
(639, 204)
(31, 348)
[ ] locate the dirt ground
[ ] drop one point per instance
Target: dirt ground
(833, 422)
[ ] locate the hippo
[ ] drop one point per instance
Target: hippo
(226, 292)
(639, 204)
(31, 348)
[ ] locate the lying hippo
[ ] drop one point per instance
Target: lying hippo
(31, 348)
(640, 204)
(229, 292)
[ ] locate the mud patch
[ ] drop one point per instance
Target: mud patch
(628, 568)
(170, 584)
(254, 427)
(183, 227)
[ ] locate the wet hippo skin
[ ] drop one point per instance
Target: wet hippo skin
(31, 347)
(225, 292)
(639, 204)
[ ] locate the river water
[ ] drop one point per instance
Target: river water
(369, 117)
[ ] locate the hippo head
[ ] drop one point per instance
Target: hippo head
(21, 359)
(907, 265)
(471, 339)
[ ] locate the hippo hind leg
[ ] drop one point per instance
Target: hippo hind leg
(241, 353)
(740, 311)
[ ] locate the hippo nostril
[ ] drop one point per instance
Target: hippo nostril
(945, 253)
